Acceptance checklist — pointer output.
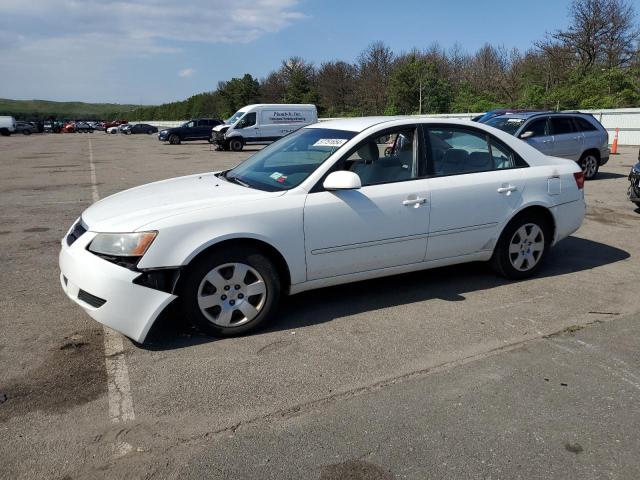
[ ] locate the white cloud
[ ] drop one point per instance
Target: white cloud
(186, 72)
(63, 44)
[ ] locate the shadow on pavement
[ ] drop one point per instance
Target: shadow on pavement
(447, 283)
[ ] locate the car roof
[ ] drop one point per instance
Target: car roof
(360, 124)
(527, 115)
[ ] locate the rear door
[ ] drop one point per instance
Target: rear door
(567, 142)
(476, 184)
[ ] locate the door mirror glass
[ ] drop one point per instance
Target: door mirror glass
(342, 180)
(527, 134)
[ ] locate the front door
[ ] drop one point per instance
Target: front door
(477, 182)
(248, 127)
(540, 138)
(383, 224)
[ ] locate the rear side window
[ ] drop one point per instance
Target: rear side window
(561, 125)
(454, 151)
(584, 125)
(538, 127)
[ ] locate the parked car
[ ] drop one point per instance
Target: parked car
(25, 128)
(84, 127)
(142, 128)
(69, 127)
(634, 183)
(322, 206)
(114, 123)
(573, 135)
(197, 129)
(261, 124)
(485, 117)
(7, 126)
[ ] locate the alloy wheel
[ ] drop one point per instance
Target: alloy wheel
(526, 247)
(589, 166)
(232, 294)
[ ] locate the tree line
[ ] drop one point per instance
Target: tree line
(593, 63)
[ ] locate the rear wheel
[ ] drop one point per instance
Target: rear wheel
(236, 144)
(150, 131)
(4, 132)
(589, 164)
(174, 139)
(231, 291)
(26, 132)
(522, 246)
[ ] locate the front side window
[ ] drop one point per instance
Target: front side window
(248, 120)
(537, 127)
(390, 157)
(190, 124)
(289, 161)
(561, 125)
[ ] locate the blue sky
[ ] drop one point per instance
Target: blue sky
(154, 51)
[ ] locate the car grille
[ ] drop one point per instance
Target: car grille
(92, 300)
(76, 232)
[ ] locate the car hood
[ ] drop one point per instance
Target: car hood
(219, 128)
(132, 209)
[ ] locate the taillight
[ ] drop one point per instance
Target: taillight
(579, 176)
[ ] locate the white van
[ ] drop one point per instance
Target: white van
(262, 123)
(7, 126)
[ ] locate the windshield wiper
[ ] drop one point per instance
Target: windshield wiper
(236, 180)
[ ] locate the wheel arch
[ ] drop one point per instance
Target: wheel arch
(535, 208)
(594, 151)
(261, 245)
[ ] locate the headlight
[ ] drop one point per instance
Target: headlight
(122, 244)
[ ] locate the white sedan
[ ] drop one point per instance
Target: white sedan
(332, 203)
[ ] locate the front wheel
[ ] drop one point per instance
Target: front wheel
(174, 139)
(26, 132)
(522, 247)
(589, 164)
(236, 144)
(230, 292)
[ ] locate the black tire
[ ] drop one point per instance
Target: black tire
(236, 144)
(502, 260)
(174, 139)
(590, 164)
(149, 132)
(26, 132)
(195, 275)
(91, 130)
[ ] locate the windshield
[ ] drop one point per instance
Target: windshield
(507, 124)
(289, 161)
(234, 118)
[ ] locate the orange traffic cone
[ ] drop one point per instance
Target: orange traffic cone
(614, 146)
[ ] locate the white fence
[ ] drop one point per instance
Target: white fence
(626, 120)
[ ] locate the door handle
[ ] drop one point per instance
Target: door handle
(507, 189)
(417, 201)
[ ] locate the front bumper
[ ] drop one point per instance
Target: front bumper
(106, 291)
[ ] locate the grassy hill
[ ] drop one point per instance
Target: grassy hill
(42, 109)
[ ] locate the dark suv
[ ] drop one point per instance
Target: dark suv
(574, 135)
(198, 129)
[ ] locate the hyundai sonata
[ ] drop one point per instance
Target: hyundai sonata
(334, 202)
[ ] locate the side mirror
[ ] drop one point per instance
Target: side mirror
(527, 134)
(342, 180)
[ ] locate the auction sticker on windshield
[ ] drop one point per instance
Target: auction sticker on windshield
(330, 142)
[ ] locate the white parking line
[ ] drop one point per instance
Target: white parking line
(119, 388)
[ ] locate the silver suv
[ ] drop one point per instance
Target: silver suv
(577, 136)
